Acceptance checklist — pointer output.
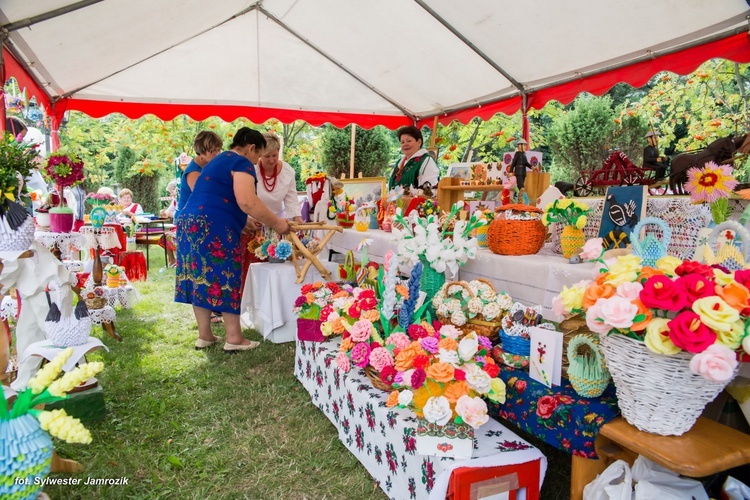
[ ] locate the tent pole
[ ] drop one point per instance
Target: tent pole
(351, 153)
(525, 120)
(434, 132)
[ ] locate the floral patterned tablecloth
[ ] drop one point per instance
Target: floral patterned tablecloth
(383, 439)
(557, 415)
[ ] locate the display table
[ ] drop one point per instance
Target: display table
(530, 279)
(383, 438)
(268, 299)
(61, 244)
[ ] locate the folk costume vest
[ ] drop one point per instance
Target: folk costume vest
(408, 174)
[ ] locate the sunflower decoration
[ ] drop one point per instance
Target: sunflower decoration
(712, 184)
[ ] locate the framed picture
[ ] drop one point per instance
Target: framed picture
(460, 170)
(357, 188)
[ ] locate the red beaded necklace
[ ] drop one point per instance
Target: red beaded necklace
(269, 182)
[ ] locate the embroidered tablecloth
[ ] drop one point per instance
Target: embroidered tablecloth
(556, 415)
(383, 439)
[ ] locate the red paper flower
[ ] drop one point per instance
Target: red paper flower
(660, 292)
(687, 332)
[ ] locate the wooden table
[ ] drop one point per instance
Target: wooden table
(708, 448)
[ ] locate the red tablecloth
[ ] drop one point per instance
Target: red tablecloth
(135, 265)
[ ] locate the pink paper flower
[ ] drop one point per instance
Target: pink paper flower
(594, 318)
(629, 290)
(660, 292)
(687, 332)
(473, 411)
(592, 250)
(361, 354)
(450, 331)
(361, 330)
(618, 312)
(380, 357)
(399, 340)
(717, 363)
(342, 360)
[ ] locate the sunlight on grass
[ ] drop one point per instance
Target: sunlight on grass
(201, 424)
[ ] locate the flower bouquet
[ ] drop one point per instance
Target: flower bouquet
(422, 239)
(25, 444)
(268, 246)
(16, 162)
(309, 306)
(473, 306)
(573, 215)
(443, 380)
(65, 171)
(669, 334)
(99, 199)
(342, 209)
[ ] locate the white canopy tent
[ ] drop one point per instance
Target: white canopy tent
(389, 62)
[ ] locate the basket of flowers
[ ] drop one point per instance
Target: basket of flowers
(341, 208)
(443, 378)
(516, 332)
(516, 230)
(472, 307)
(268, 246)
(313, 300)
(669, 334)
(95, 298)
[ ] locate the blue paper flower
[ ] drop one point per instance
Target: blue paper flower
(283, 250)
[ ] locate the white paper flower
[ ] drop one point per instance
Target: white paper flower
(491, 311)
(504, 301)
(478, 379)
(437, 410)
(473, 411)
(468, 346)
(475, 305)
(449, 356)
(405, 397)
(458, 318)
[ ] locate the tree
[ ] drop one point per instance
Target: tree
(372, 151)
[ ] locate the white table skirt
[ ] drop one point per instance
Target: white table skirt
(382, 438)
(268, 299)
(530, 279)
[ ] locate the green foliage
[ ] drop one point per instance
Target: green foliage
(581, 136)
(15, 159)
(124, 160)
(372, 151)
(145, 191)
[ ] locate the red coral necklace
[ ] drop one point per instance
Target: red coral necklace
(269, 181)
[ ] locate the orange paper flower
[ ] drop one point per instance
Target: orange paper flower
(346, 345)
(448, 343)
(647, 272)
(641, 325)
(405, 358)
(597, 291)
(392, 399)
(440, 372)
(455, 390)
(735, 294)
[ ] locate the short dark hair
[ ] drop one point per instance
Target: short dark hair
(206, 142)
(410, 131)
(14, 125)
(246, 136)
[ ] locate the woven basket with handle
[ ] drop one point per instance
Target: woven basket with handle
(374, 377)
(516, 237)
(478, 324)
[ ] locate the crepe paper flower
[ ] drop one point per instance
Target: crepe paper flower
(388, 305)
(283, 250)
(59, 424)
(567, 212)
(717, 363)
(64, 170)
(404, 398)
(49, 372)
(468, 346)
(472, 410)
(380, 357)
(405, 315)
(712, 184)
(689, 334)
(497, 391)
(392, 400)
(74, 378)
(437, 410)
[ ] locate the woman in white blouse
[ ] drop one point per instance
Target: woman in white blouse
(276, 183)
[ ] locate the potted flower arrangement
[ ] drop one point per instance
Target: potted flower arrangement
(313, 299)
(98, 213)
(573, 215)
(25, 430)
(16, 162)
(423, 239)
(341, 208)
(65, 170)
(669, 333)
(443, 377)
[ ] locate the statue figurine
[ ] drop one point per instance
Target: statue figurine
(520, 163)
(651, 157)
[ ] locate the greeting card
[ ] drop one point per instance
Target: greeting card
(545, 359)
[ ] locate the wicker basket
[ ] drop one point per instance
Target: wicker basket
(95, 303)
(656, 393)
(478, 324)
(516, 237)
(374, 377)
(515, 344)
(575, 325)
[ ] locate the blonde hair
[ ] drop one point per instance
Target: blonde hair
(207, 141)
(124, 192)
(273, 141)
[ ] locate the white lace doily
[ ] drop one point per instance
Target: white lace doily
(104, 237)
(64, 241)
(684, 219)
(126, 296)
(73, 266)
(106, 314)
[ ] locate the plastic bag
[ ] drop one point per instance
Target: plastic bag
(614, 483)
(735, 490)
(654, 481)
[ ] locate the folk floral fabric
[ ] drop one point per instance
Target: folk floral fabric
(383, 439)
(557, 415)
(209, 254)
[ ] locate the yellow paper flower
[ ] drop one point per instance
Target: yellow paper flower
(62, 426)
(723, 278)
(74, 378)
(581, 222)
(733, 337)
(716, 314)
(326, 329)
(668, 264)
(572, 298)
(497, 391)
(625, 270)
(49, 372)
(657, 337)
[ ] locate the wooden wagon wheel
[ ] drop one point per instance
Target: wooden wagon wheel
(583, 186)
(630, 179)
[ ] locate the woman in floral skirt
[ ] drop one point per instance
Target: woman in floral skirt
(209, 254)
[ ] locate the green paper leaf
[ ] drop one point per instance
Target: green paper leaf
(458, 420)
(639, 317)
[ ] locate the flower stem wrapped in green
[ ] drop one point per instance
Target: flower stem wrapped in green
(566, 212)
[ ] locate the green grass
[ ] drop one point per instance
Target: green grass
(201, 424)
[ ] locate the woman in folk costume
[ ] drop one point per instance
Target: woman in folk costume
(416, 168)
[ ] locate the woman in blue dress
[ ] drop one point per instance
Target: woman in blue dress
(209, 254)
